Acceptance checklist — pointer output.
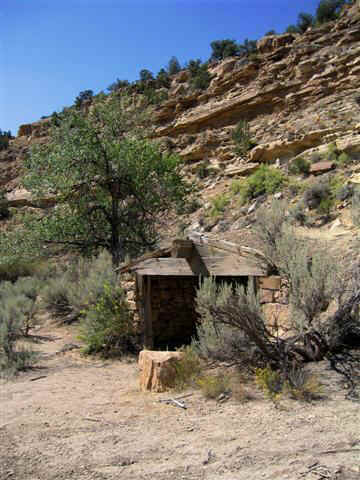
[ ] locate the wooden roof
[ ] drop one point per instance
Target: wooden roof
(208, 257)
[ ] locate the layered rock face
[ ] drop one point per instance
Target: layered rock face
(299, 93)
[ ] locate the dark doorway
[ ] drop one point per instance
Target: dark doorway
(174, 317)
(173, 310)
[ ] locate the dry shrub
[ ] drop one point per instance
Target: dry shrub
(241, 386)
(301, 385)
(214, 385)
(79, 287)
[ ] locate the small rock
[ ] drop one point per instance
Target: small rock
(252, 208)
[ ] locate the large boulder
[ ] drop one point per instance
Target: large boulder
(157, 370)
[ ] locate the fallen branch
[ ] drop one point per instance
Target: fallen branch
(37, 378)
(175, 401)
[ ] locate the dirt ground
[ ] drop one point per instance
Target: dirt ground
(75, 418)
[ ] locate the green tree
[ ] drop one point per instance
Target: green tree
(224, 48)
(194, 66)
(146, 75)
(117, 85)
(292, 29)
(111, 187)
(162, 79)
(248, 47)
(200, 76)
(305, 20)
(174, 66)
(4, 139)
(83, 96)
(329, 10)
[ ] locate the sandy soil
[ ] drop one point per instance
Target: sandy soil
(86, 420)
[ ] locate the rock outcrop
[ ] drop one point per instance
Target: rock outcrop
(299, 94)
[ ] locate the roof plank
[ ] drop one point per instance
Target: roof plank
(230, 266)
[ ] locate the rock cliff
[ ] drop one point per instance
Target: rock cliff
(298, 93)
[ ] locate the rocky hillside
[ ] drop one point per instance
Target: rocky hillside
(299, 94)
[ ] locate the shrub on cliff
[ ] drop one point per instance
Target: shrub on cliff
(83, 96)
(200, 76)
(224, 48)
(174, 66)
(118, 85)
(329, 10)
(241, 137)
(4, 139)
(264, 180)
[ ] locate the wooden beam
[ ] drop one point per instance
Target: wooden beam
(229, 266)
(148, 327)
(182, 248)
(226, 246)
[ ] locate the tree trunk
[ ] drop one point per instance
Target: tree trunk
(116, 250)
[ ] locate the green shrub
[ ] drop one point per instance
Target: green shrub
(298, 214)
(299, 165)
(264, 180)
(200, 76)
(299, 384)
(79, 286)
(328, 10)
(22, 268)
(107, 326)
(220, 342)
(325, 206)
(4, 206)
(153, 96)
(241, 138)
(344, 192)
(4, 139)
(83, 97)
(270, 382)
(224, 48)
(21, 298)
(220, 334)
(162, 79)
(187, 369)
(16, 313)
(212, 386)
(55, 296)
(218, 205)
(118, 85)
(344, 159)
(236, 186)
(319, 196)
(202, 170)
(174, 66)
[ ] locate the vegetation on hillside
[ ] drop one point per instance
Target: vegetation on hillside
(5, 136)
(233, 327)
(110, 185)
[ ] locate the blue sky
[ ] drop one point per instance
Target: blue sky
(51, 50)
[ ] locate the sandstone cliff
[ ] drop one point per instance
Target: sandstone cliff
(299, 93)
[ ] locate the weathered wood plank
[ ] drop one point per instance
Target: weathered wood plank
(149, 339)
(230, 266)
(182, 249)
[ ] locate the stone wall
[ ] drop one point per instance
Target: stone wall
(173, 306)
